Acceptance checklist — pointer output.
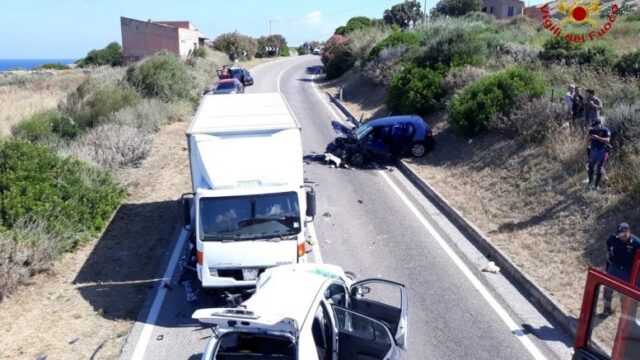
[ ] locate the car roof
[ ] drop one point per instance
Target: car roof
(290, 293)
(390, 120)
(224, 81)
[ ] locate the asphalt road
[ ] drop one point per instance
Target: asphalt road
(374, 223)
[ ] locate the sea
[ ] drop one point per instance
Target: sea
(28, 64)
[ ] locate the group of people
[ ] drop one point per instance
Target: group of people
(622, 245)
(586, 113)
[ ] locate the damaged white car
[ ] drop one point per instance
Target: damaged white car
(311, 311)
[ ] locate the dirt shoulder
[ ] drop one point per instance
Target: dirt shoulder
(528, 201)
(87, 303)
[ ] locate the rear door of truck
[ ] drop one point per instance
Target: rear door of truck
(608, 336)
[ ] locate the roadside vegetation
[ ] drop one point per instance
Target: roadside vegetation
(492, 90)
(61, 155)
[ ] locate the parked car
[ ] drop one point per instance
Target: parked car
(243, 75)
(312, 311)
(381, 139)
(239, 73)
(317, 50)
(229, 86)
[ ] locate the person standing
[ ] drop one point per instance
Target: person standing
(621, 250)
(568, 98)
(577, 107)
(599, 138)
(592, 107)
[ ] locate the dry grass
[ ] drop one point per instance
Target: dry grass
(20, 103)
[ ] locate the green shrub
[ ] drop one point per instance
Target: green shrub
(629, 64)
(46, 128)
(415, 90)
(632, 17)
(162, 76)
(303, 50)
(199, 52)
(355, 23)
(558, 49)
(52, 66)
(89, 104)
(471, 110)
(110, 55)
(65, 193)
(235, 44)
(272, 41)
(406, 38)
(456, 7)
(337, 56)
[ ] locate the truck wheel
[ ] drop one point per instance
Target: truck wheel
(418, 149)
(356, 159)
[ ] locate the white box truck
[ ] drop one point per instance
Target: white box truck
(250, 209)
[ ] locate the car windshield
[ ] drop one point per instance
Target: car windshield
(362, 131)
(226, 85)
(250, 217)
(236, 345)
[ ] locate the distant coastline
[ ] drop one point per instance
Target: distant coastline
(28, 64)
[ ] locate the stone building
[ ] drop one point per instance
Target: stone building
(141, 39)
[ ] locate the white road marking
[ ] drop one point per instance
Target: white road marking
(145, 334)
(502, 313)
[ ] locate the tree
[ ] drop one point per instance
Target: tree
(236, 45)
(337, 56)
(404, 14)
(272, 41)
(110, 55)
(355, 23)
(456, 7)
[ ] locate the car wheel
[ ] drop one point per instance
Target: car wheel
(418, 149)
(356, 159)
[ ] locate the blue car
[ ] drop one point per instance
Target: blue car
(381, 139)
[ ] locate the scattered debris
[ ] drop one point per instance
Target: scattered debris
(42, 357)
(102, 344)
(326, 215)
(470, 141)
(166, 285)
(359, 201)
(491, 267)
(160, 337)
(332, 159)
(74, 341)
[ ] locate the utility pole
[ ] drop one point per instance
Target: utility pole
(425, 11)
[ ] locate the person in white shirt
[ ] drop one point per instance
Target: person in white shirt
(568, 98)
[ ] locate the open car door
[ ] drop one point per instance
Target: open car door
(613, 336)
(363, 338)
(385, 301)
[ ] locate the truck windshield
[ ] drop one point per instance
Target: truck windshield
(236, 345)
(250, 217)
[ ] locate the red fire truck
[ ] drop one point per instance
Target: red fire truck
(614, 336)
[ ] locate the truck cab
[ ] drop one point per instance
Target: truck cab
(250, 208)
(616, 336)
(311, 311)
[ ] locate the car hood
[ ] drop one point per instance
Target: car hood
(341, 129)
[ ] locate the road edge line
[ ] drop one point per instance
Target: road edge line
(152, 316)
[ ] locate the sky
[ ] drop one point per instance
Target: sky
(68, 29)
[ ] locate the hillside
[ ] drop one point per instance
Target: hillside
(516, 172)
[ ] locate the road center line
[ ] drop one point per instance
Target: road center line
(152, 317)
(502, 313)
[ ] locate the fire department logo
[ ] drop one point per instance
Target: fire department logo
(579, 21)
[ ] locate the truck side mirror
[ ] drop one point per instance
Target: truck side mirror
(311, 203)
(186, 202)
